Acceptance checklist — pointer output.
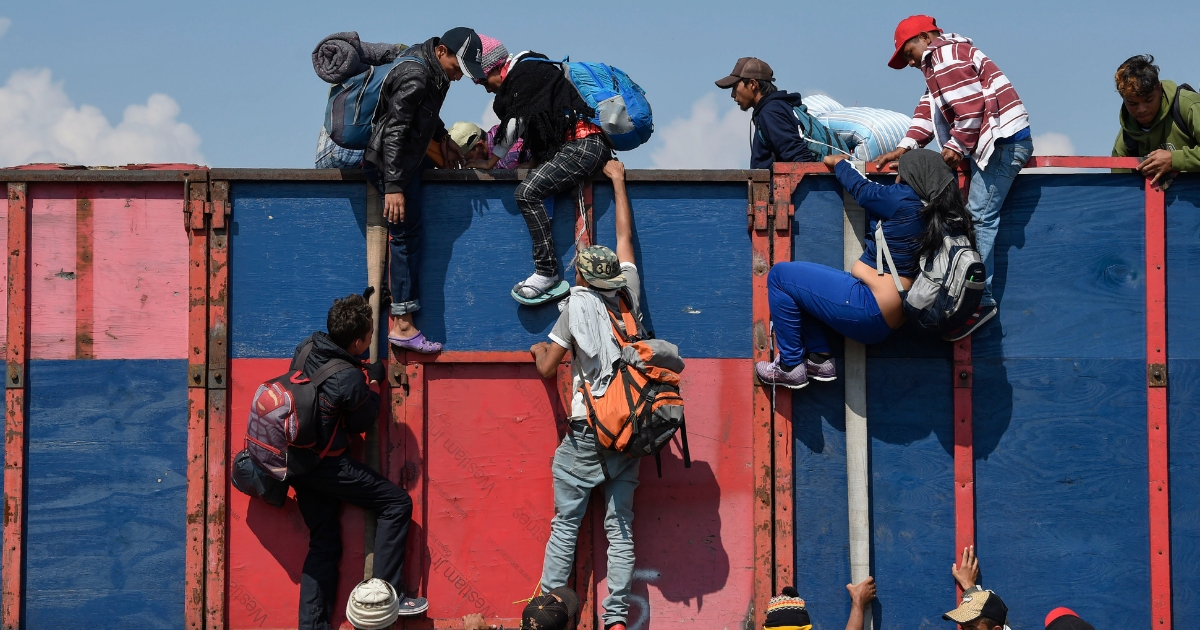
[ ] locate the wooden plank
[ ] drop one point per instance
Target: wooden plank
(52, 286)
(197, 427)
(1156, 408)
(106, 494)
(85, 281)
(216, 528)
(15, 425)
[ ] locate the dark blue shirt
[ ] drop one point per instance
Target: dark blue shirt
(899, 207)
(776, 132)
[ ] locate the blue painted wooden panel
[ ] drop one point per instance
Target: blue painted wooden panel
(106, 485)
(1069, 269)
(1183, 267)
(693, 251)
(477, 247)
(295, 247)
(1061, 487)
(1183, 410)
(822, 522)
(909, 416)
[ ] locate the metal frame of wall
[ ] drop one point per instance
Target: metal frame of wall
(769, 222)
(785, 180)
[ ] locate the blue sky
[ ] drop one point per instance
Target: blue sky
(240, 91)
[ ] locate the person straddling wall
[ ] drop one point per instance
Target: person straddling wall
(1151, 118)
(972, 109)
(406, 120)
(347, 405)
(538, 104)
(922, 207)
(578, 467)
(775, 136)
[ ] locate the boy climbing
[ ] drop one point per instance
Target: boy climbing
(1160, 121)
(578, 467)
(538, 104)
(974, 112)
(407, 119)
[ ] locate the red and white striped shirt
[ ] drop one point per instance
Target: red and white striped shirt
(975, 101)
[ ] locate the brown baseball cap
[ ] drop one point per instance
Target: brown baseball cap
(747, 68)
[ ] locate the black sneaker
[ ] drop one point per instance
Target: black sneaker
(977, 319)
(412, 606)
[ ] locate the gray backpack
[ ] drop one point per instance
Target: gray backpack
(948, 289)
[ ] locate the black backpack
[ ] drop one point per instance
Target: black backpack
(281, 434)
(1131, 145)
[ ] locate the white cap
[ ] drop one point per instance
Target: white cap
(373, 605)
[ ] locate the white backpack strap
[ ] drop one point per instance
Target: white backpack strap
(882, 252)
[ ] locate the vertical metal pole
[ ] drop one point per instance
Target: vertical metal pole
(761, 221)
(195, 196)
(218, 405)
(858, 479)
(964, 432)
(783, 518)
(1156, 408)
(13, 556)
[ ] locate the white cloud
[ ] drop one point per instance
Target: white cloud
(4, 24)
(489, 118)
(707, 139)
(38, 123)
(1053, 143)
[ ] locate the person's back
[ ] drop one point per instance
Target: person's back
(1148, 120)
(603, 277)
(348, 404)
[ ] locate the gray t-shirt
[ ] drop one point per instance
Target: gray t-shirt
(561, 334)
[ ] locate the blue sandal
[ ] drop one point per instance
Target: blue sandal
(555, 292)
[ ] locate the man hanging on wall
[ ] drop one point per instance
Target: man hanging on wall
(972, 109)
(578, 467)
(407, 118)
(1160, 121)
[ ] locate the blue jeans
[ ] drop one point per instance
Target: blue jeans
(805, 297)
(989, 188)
(404, 241)
(577, 471)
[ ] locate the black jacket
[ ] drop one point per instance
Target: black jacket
(342, 399)
(776, 133)
(408, 116)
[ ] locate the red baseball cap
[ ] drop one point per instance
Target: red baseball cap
(909, 28)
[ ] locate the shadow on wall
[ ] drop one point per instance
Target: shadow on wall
(677, 535)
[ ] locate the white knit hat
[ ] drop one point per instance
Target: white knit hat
(373, 605)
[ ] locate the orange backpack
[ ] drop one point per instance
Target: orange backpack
(641, 410)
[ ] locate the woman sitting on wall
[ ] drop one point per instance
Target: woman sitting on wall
(922, 207)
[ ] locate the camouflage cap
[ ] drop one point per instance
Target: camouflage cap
(600, 267)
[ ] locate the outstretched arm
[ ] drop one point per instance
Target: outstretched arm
(624, 219)
(966, 573)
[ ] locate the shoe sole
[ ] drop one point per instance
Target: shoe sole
(769, 383)
(823, 379)
(972, 329)
(413, 612)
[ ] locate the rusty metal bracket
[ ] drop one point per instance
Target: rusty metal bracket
(219, 211)
(16, 376)
(216, 378)
(1156, 375)
(197, 375)
(398, 376)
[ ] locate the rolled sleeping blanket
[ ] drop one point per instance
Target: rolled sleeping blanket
(867, 131)
(820, 104)
(343, 55)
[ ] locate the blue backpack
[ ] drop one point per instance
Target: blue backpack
(821, 141)
(622, 110)
(352, 104)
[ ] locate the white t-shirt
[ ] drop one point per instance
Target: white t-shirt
(580, 363)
